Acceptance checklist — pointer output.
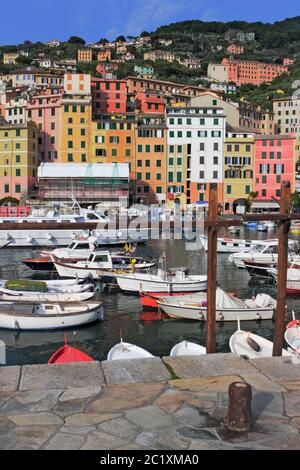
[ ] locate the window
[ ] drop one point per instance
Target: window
(114, 152)
(216, 161)
(216, 147)
(18, 146)
(83, 157)
(147, 163)
(158, 163)
(201, 175)
(214, 102)
(236, 148)
(127, 153)
(139, 163)
(202, 146)
(148, 149)
(171, 161)
(202, 133)
(188, 134)
(82, 132)
(179, 161)
(158, 189)
(82, 145)
(248, 149)
(70, 157)
(140, 148)
(172, 133)
(53, 111)
(146, 189)
(52, 126)
(215, 175)
(179, 177)
(70, 120)
(179, 134)
(18, 158)
(18, 188)
(139, 176)
(128, 139)
(158, 148)
(202, 122)
(247, 189)
(148, 176)
(18, 172)
(52, 140)
(264, 192)
(201, 161)
(170, 177)
(264, 180)
(6, 188)
(228, 189)
(158, 176)
(216, 122)
(70, 144)
(70, 131)
(82, 109)
(74, 109)
(171, 148)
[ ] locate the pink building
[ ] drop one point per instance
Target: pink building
(109, 96)
(45, 111)
(149, 103)
(274, 162)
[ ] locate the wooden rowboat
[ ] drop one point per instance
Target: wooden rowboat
(186, 348)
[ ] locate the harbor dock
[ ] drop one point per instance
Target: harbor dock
(149, 404)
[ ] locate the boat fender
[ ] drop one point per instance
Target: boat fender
(221, 316)
(253, 344)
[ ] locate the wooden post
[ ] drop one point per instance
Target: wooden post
(239, 415)
(212, 270)
(283, 233)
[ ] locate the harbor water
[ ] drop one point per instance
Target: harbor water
(124, 316)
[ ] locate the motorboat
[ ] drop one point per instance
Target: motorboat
(99, 264)
(264, 251)
(228, 307)
(293, 280)
(262, 270)
(48, 316)
(230, 245)
(124, 351)
(162, 281)
(186, 348)
(68, 355)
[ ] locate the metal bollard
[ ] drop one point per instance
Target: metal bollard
(239, 415)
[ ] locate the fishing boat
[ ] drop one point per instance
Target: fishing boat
(46, 316)
(123, 351)
(186, 348)
(245, 343)
(66, 355)
(264, 251)
(250, 224)
(230, 245)
(78, 250)
(228, 307)
(271, 225)
(99, 264)
(163, 281)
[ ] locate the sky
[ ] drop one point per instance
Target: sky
(43, 20)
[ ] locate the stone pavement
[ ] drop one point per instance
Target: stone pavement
(152, 404)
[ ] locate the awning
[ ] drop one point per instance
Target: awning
(265, 205)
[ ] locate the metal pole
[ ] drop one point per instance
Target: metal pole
(212, 270)
(283, 233)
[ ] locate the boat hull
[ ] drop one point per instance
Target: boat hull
(150, 299)
(239, 346)
(46, 297)
(137, 285)
(229, 245)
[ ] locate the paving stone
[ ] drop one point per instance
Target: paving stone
(286, 442)
(171, 400)
(88, 419)
(267, 403)
(209, 365)
(296, 422)
(100, 441)
(7, 443)
(80, 431)
(171, 440)
(65, 442)
(131, 446)
(5, 397)
(244, 437)
(66, 408)
(147, 439)
(31, 436)
(292, 403)
(36, 419)
(277, 368)
(205, 444)
(9, 378)
(120, 427)
(203, 405)
(261, 382)
(192, 417)
(196, 434)
(5, 426)
(123, 397)
(30, 402)
(151, 418)
(47, 376)
(274, 424)
(210, 385)
(135, 371)
(292, 385)
(80, 393)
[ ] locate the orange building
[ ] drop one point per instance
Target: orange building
(151, 160)
(104, 56)
(149, 103)
(85, 55)
(249, 71)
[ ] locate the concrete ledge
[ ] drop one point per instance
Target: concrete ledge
(9, 378)
(187, 367)
(46, 376)
(135, 371)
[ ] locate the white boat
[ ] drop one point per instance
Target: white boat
(262, 227)
(186, 348)
(30, 316)
(98, 263)
(230, 245)
(265, 251)
(293, 279)
(161, 282)
(228, 308)
(270, 224)
(292, 336)
(123, 351)
(245, 343)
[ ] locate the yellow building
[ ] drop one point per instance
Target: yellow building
(238, 166)
(10, 58)
(76, 118)
(85, 55)
(18, 159)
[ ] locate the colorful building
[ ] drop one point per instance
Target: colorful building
(250, 71)
(149, 103)
(10, 58)
(109, 96)
(104, 56)
(274, 161)
(235, 49)
(287, 114)
(151, 167)
(18, 159)
(238, 166)
(85, 55)
(45, 111)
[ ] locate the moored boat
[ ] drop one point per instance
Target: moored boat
(46, 316)
(186, 348)
(292, 335)
(228, 307)
(123, 351)
(230, 245)
(245, 343)
(67, 354)
(149, 299)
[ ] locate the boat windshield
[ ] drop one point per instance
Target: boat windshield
(257, 248)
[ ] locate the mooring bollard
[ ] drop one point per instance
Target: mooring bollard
(239, 416)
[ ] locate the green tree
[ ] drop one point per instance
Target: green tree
(76, 40)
